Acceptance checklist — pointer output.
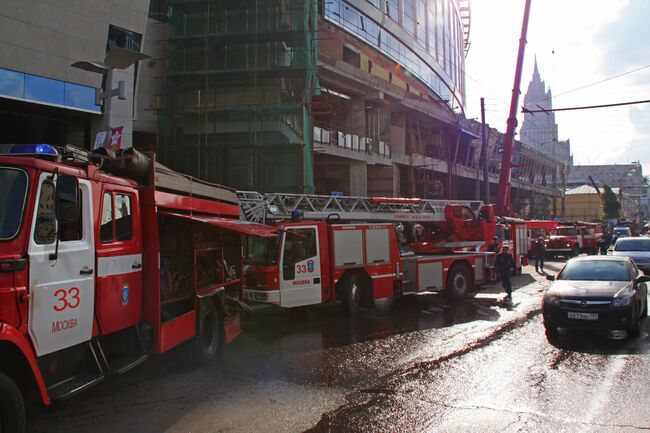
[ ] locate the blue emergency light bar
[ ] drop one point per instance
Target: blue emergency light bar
(29, 149)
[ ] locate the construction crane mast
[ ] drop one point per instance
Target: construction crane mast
(503, 194)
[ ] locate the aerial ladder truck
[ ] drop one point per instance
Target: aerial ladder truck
(359, 249)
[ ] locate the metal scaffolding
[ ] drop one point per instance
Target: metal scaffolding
(240, 82)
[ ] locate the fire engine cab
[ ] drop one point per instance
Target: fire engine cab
(570, 240)
(98, 270)
(348, 249)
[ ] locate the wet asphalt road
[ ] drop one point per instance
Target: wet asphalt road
(418, 364)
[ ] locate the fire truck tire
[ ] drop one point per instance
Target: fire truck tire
(208, 336)
(351, 294)
(459, 282)
(12, 409)
(574, 252)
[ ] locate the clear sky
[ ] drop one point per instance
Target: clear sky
(577, 43)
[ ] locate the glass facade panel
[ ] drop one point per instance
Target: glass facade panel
(12, 83)
(33, 88)
(44, 89)
(80, 97)
(421, 23)
(440, 38)
(431, 26)
(409, 17)
(346, 16)
(392, 9)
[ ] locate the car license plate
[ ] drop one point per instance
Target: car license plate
(583, 316)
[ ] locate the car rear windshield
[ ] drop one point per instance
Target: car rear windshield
(632, 245)
(13, 192)
(596, 270)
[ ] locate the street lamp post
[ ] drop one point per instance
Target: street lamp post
(117, 58)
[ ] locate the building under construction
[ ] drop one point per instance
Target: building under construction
(240, 80)
(331, 96)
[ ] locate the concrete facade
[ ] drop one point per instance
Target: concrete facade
(39, 40)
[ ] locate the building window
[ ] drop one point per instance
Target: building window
(122, 38)
(352, 57)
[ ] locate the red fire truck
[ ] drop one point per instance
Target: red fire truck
(348, 248)
(513, 233)
(537, 229)
(570, 240)
(97, 271)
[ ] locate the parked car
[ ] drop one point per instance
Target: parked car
(596, 292)
(620, 231)
(638, 249)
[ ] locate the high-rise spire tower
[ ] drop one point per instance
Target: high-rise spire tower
(539, 130)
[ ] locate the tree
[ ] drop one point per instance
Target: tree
(610, 204)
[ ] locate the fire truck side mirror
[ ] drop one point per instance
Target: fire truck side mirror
(67, 199)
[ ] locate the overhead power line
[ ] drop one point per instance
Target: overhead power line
(587, 107)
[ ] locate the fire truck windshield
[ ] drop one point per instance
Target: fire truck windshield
(566, 231)
(12, 201)
(260, 251)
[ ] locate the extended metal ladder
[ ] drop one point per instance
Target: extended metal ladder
(258, 207)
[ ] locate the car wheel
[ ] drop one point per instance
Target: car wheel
(552, 333)
(208, 339)
(459, 282)
(635, 330)
(12, 410)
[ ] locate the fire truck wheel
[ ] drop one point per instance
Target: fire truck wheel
(351, 294)
(208, 336)
(12, 409)
(574, 252)
(459, 282)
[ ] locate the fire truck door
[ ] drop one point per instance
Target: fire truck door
(62, 286)
(300, 282)
(119, 262)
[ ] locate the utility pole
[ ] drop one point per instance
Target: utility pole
(484, 156)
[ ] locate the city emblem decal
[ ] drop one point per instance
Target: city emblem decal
(125, 294)
(310, 266)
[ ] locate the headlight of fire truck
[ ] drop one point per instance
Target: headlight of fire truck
(568, 245)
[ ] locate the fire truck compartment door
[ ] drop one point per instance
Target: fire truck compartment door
(348, 246)
(429, 276)
(301, 271)
(62, 290)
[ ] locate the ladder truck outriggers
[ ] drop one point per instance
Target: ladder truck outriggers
(357, 249)
(98, 270)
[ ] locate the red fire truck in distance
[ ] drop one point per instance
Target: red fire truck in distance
(513, 233)
(537, 229)
(348, 248)
(570, 240)
(97, 271)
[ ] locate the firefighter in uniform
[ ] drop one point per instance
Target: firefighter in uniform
(504, 266)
